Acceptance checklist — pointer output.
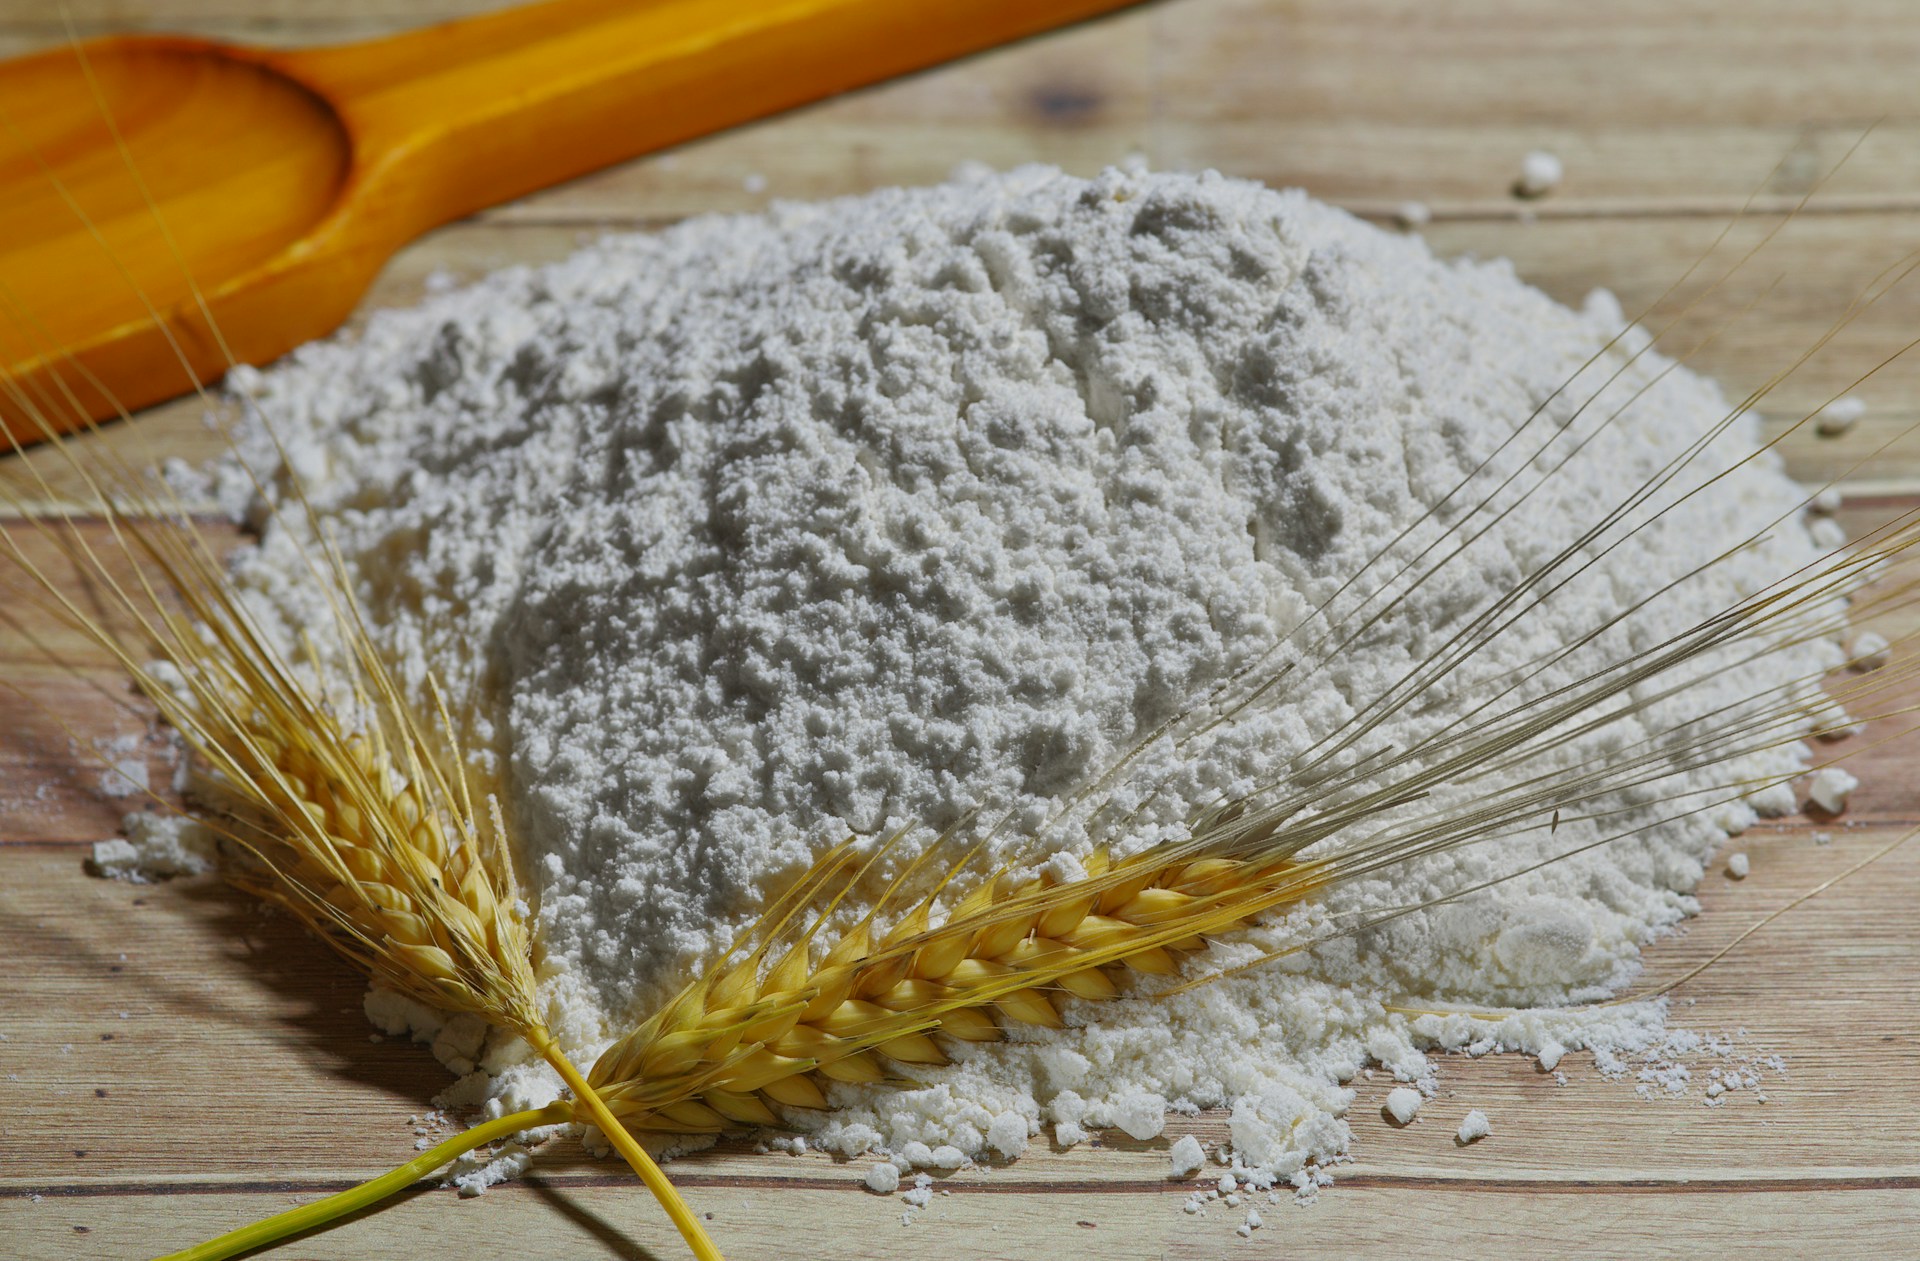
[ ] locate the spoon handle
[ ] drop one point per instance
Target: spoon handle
(450, 119)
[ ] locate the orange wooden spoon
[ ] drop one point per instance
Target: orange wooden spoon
(147, 183)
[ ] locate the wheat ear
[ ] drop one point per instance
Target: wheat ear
(358, 821)
(747, 1037)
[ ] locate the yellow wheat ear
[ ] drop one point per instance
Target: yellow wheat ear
(752, 1035)
(361, 822)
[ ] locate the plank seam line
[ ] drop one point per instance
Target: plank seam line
(1078, 1186)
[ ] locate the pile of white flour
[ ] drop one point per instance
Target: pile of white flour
(736, 538)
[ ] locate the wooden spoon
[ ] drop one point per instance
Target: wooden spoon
(147, 183)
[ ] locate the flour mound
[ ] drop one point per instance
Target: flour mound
(741, 537)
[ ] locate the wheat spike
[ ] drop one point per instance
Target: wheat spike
(749, 1037)
(358, 822)
(424, 899)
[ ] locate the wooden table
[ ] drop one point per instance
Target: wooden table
(176, 1061)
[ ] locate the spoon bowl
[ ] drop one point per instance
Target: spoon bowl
(137, 171)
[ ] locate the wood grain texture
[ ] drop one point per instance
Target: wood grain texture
(212, 1065)
(1130, 1224)
(178, 1061)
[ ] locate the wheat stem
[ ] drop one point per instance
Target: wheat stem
(312, 1216)
(636, 1156)
(295, 1221)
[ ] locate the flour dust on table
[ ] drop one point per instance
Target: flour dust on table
(923, 509)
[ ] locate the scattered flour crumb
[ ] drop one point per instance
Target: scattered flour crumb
(1008, 1134)
(1473, 1128)
(125, 777)
(883, 1179)
(1141, 1116)
(1403, 1104)
(1870, 651)
(1839, 416)
(1186, 1156)
(1413, 214)
(922, 1192)
(509, 1162)
(1540, 172)
(156, 847)
(1830, 788)
(1836, 724)
(1738, 866)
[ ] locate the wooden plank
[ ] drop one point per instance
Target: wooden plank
(1649, 103)
(130, 1010)
(1018, 1225)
